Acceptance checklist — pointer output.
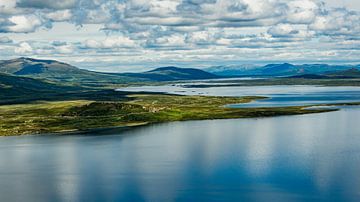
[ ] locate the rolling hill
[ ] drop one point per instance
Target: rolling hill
(29, 66)
(22, 88)
(61, 72)
(19, 84)
(57, 71)
(173, 73)
(19, 89)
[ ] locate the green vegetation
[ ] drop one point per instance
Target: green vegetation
(81, 115)
(55, 71)
(46, 96)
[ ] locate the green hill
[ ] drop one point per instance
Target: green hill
(61, 72)
(173, 74)
(23, 88)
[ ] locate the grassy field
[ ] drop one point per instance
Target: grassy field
(80, 115)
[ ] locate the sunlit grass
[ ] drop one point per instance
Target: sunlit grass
(79, 115)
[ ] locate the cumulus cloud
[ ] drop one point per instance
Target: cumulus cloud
(182, 25)
(290, 31)
(23, 48)
(175, 41)
(129, 16)
(41, 4)
(7, 7)
(338, 22)
(109, 43)
(302, 11)
(65, 49)
(203, 38)
(24, 23)
(61, 15)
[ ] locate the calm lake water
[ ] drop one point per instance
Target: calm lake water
(294, 95)
(291, 158)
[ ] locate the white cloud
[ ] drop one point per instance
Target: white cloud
(175, 41)
(110, 43)
(189, 27)
(202, 38)
(23, 48)
(7, 7)
(290, 31)
(61, 15)
(302, 11)
(65, 49)
(91, 43)
(338, 22)
(24, 23)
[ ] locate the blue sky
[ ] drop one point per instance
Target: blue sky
(134, 35)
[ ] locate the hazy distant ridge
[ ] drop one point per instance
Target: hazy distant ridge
(285, 69)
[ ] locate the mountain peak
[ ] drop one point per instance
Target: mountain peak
(38, 67)
(171, 73)
(168, 68)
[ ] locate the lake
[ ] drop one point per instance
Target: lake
(314, 157)
(280, 96)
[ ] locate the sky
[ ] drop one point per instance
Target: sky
(136, 35)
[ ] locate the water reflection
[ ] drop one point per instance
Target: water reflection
(298, 158)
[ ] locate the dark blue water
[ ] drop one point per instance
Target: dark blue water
(292, 158)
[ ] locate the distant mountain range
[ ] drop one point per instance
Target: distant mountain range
(231, 70)
(173, 73)
(61, 72)
(26, 79)
(33, 75)
(343, 74)
(284, 69)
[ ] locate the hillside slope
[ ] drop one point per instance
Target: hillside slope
(173, 73)
(58, 71)
(61, 72)
(17, 87)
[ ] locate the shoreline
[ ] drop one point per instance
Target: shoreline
(86, 116)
